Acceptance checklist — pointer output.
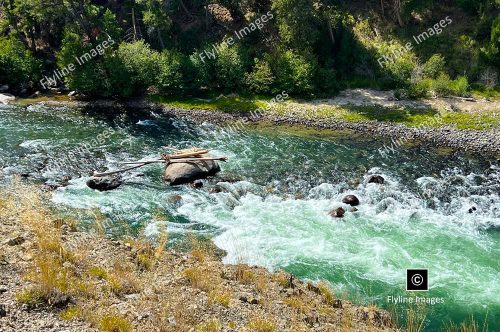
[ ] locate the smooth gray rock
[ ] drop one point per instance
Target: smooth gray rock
(182, 173)
(104, 183)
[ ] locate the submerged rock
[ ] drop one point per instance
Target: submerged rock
(183, 173)
(351, 200)
(197, 184)
(104, 183)
(174, 199)
(376, 179)
(337, 213)
(216, 190)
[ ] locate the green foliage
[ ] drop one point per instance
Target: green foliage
(229, 68)
(92, 75)
(139, 62)
(492, 51)
(261, 79)
(17, 65)
(296, 22)
(442, 86)
(434, 66)
(170, 79)
(307, 47)
(295, 73)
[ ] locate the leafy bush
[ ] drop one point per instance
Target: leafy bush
(460, 86)
(203, 70)
(442, 86)
(295, 73)
(89, 78)
(261, 79)
(434, 66)
(326, 81)
(170, 78)
(419, 89)
(17, 65)
(139, 62)
(229, 67)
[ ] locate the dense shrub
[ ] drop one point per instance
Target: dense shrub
(170, 78)
(294, 73)
(90, 77)
(17, 65)
(139, 62)
(442, 86)
(434, 66)
(419, 89)
(327, 82)
(460, 86)
(229, 68)
(204, 71)
(261, 79)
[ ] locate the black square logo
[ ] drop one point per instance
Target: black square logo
(417, 280)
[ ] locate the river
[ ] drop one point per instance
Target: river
(278, 187)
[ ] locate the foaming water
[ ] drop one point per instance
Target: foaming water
(436, 210)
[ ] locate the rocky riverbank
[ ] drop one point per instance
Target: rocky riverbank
(56, 278)
(473, 141)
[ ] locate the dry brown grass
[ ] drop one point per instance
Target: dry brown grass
(470, 325)
(262, 325)
(86, 279)
(212, 325)
(298, 304)
(244, 274)
(326, 292)
(220, 296)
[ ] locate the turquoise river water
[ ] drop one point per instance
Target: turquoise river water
(278, 189)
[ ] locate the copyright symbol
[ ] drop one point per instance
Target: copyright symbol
(417, 279)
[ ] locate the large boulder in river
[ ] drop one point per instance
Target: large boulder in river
(182, 173)
(104, 183)
(351, 200)
(376, 179)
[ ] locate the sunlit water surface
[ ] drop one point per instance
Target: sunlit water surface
(278, 189)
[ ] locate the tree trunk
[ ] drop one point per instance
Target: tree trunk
(397, 11)
(160, 38)
(330, 31)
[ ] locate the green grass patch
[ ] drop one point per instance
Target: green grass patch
(480, 91)
(223, 103)
(413, 117)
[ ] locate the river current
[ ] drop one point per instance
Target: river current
(438, 210)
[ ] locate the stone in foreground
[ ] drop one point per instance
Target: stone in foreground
(104, 183)
(376, 179)
(351, 200)
(183, 173)
(337, 213)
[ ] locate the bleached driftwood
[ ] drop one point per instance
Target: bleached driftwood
(181, 156)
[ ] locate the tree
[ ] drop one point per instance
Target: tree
(296, 23)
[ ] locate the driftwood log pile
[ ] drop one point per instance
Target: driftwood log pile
(181, 167)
